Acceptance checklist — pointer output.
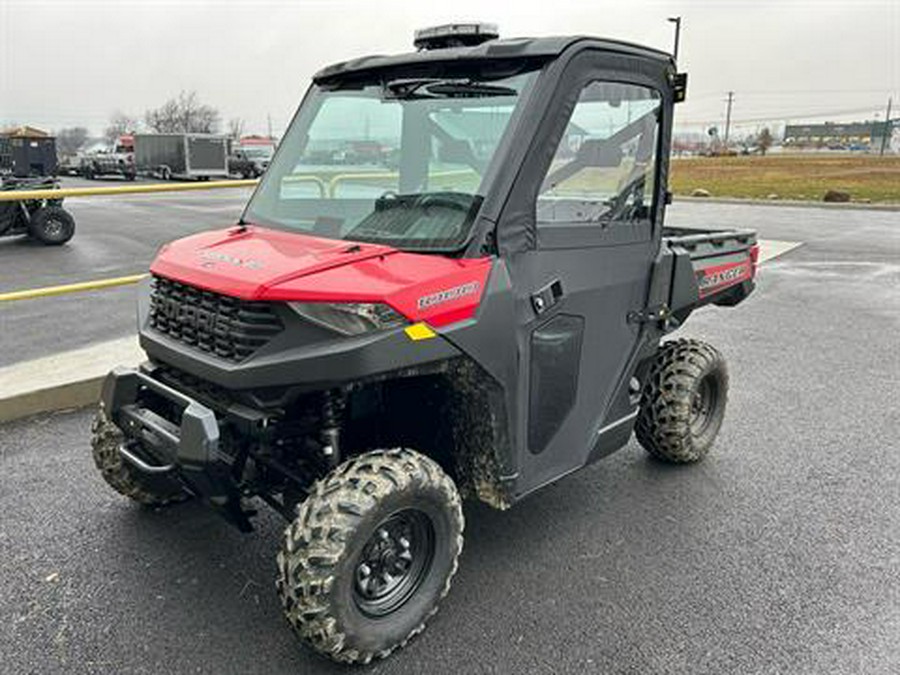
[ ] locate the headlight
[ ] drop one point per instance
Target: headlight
(350, 318)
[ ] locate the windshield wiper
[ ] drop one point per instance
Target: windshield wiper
(438, 88)
(468, 89)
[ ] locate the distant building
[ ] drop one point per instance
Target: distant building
(837, 134)
(27, 151)
(24, 132)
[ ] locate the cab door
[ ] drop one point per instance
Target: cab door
(595, 200)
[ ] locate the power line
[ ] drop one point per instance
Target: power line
(787, 115)
(790, 92)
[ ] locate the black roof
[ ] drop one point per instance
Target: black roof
(493, 51)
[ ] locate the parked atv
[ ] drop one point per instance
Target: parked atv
(43, 219)
(471, 307)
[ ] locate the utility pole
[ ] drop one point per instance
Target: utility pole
(677, 21)
(728, 117)
(888, 127)
(269, 120)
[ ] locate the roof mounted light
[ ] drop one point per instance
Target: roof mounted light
(455, 35)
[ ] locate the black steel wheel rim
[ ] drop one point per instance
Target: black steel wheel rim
(394, 562)
(53, 227)
(703, 405)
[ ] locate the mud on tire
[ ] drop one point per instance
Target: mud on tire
(683, 401)
(356, 526)
(122, 477)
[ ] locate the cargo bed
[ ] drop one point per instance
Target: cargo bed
(697, 267)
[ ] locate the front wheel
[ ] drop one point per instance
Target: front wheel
(106, 438)
(370, 555)
(683, 401)
(52, 225)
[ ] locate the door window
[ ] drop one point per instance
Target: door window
(604, 168)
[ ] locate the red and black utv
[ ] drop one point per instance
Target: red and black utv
(452, 281)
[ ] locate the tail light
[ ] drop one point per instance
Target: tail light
(754, 260)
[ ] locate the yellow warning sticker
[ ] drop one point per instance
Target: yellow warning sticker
(419, 331)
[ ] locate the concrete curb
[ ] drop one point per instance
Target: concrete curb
(72, 379)
(854, 206)
(69, 379)
(76, 394)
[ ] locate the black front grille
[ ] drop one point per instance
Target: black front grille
(228, 327)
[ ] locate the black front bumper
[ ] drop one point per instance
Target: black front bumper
(187, 448)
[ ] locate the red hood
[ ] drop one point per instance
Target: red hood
(262, 264)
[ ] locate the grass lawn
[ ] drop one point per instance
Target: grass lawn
(872, 178)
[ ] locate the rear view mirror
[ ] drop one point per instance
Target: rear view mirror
(455, 151)
(596, 152)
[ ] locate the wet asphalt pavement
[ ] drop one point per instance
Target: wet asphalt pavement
(114, 237)
(779, 554)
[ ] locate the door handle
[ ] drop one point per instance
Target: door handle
(546, 297)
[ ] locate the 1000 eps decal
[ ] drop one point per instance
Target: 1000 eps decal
(454, 293)
(210, 257)
(723, 275)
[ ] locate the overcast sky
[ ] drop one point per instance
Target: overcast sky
(74, 62)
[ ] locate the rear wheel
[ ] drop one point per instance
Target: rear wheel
(370, 554)
(10, 215)
(683, 401)
(106, 438)
(52, 225)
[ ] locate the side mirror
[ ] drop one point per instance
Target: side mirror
(679, 86)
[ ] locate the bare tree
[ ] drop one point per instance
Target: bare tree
(183, 114)
(119, 123)
(69, 140)
(236, 127)
(764, 140)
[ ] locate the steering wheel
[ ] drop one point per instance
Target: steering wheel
(428, 202)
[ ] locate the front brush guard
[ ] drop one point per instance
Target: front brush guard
(188, 450)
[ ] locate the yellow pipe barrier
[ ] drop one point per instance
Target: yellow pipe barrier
(19, 195)
(345, 177)
(307, 179)
(71, 288)
(147, 188)
(325, 189)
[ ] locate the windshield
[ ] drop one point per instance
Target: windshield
(400, 163)
(257, 151)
